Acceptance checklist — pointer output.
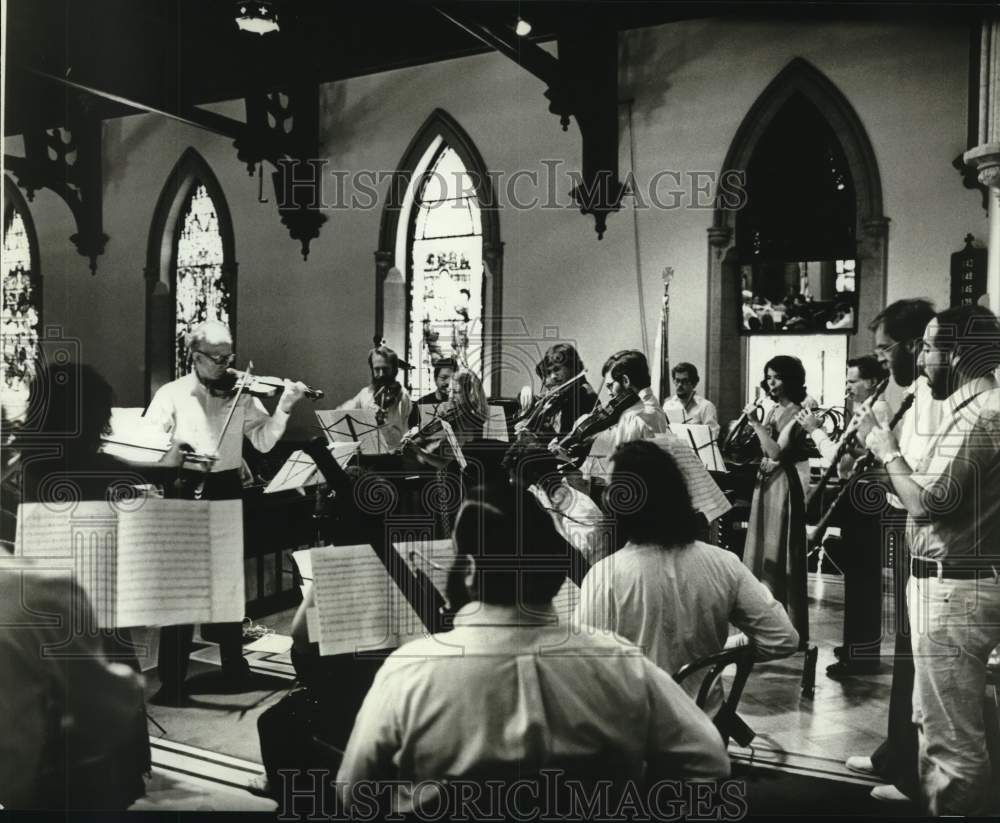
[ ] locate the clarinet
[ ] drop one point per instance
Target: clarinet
(863, 464)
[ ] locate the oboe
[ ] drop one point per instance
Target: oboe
(848, 440)
(863, 464)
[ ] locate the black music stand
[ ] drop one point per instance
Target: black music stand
(357, 426)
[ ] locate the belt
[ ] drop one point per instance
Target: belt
(957, 569)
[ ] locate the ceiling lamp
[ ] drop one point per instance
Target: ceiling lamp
(522, 28)
(257, 16)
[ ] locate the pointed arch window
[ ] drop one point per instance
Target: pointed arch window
(21, 314)
(190, 267)
(439, 265)
(445, 305)
(200, 289)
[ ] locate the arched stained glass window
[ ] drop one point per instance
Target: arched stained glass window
(199, 286)
(22, 309)
(445, 317)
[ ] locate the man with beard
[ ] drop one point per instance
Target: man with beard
(686, 406)
(194, 408)
(952, 497)
(384, 395)
(898, 332)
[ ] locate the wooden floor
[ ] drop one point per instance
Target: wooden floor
(806, 736)
(843, 718)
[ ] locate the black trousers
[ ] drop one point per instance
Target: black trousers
(896, 759)
(860, 559)
(176, 641)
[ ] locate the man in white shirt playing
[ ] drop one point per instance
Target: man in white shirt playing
(512, 690)
(899, 329)
(686, 406)
(952, 498)
(384, 395)
(194, 408)
(625, 373)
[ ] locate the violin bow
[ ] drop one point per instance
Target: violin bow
(241, 384)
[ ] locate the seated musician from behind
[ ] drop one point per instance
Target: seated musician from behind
(72, 725)
(509, 691)
(560, 364)
(685, 406)
(669, 593)
(385, 395)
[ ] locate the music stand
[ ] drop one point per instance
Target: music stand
(355, 426)
(300, 472)
(699, 436)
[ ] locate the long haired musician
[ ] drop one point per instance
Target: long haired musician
(561, 363)
(466, 415)
(776, 536)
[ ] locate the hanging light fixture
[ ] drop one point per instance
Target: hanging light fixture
(257, 16)
(522, 28)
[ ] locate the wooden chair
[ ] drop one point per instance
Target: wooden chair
(726, 720)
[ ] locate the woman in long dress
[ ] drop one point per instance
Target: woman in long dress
(776, 536)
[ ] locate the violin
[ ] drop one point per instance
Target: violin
(540, 415)
(256, 385)
(421, 437)
(600, 419)
(385, 398)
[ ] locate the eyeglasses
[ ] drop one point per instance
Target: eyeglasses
(219, 359)
(883, 349)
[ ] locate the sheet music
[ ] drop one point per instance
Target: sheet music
(299, 470)
(432, 557)
(134, 438)
(355, 426)
(160, 563)
(456, 449)
(180, 561)
(706, 496)
(360, 608)
(496, 425)
(80, 538)
(228, 587)
(303, 561)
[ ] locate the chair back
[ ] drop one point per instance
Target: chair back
(726, 720)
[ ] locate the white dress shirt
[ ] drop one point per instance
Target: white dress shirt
(698, 411)
(504, 688)
(187, 409)
(676, 604)
(916, 430)
(641, 421)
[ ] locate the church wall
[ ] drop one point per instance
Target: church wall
(691, 84)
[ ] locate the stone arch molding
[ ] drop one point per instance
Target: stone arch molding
(726, 350)
(392, 255)
(161, 260)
